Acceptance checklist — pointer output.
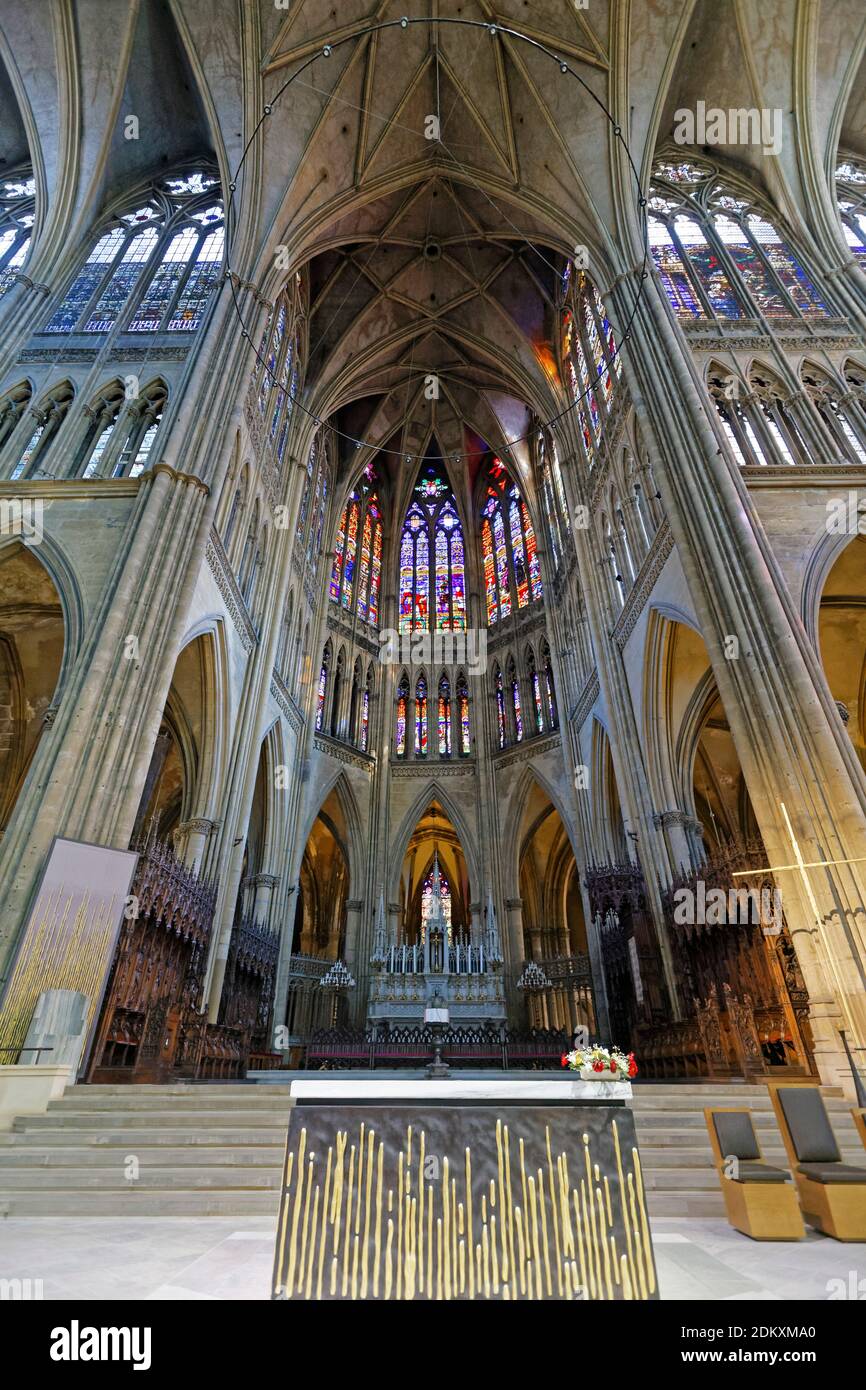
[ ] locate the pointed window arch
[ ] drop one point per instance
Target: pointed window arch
(499, 693)
(444, 717)
(720, 253)
(154, 267)
(421, 717)
(851, 200)
(402, 715)
(550, 689)
(535, 685)
(463, 715)
(432, 557)
(322, 688)
(17, 211)
(514, 695)
(356, 570)
(365, 711)
(509, 551)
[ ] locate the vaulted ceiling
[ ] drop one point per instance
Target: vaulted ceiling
(426, 256)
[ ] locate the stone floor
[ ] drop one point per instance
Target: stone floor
(230, 1258)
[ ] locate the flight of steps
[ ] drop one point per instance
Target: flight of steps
(217, 1150)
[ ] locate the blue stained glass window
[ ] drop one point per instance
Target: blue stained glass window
(705, 262)
(674, 277)
(85, 283)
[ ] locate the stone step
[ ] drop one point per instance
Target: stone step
(224, 1090)
(201, 1119)
(223, 1135)
(158, 1179)
(140, 1202)
(165, 1155)
(182, 1105)
(686, 1204)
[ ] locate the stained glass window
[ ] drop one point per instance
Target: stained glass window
(427, 901)
(432, 523)
(674, 277)
(509, 552)
(551, 693)
(421, 718)
(163, 259)
(707, 266)
(789, 270)
(515, 701)
(537, 700)
(463, 712)
(402, 706)
(444, 718)
(588, 350)
(375, 577)
(851, 199)
(351, 549)
(365, 712)
(305, 495)
(17, 206)
(500, 705)
(687, 241)
(320, 696)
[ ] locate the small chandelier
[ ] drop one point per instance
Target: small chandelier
(337, 978)
(533, 979)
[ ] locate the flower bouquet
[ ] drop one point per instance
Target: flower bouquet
(601, 1063)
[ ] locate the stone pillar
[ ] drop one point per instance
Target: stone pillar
(805, 783)
(673, 826)
(264, 886)
(191, 841)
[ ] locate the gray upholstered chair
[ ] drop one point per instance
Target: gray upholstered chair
(832, 1193)
(759, 1199)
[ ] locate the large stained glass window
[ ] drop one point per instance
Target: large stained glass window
(589, 356)
(432, 590)
(402, 709)
(17, 208)
(719, 255)
(509, 551)
(356, 570)
(154, 269)
(421, 718)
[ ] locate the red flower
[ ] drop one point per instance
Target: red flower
(613, 1065)
(598, 1066)
(632, 1067)
(564, 1060)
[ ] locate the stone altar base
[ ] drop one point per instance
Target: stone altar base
(458, 1189)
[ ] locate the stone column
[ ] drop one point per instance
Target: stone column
(770, 680)
(191, 841)
(264, 886)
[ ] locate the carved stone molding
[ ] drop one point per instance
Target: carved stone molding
(286, 703)
(344, 753)
(529, 748)
(656, 558)
(359, 636)
(231, 594)
(433, 770)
